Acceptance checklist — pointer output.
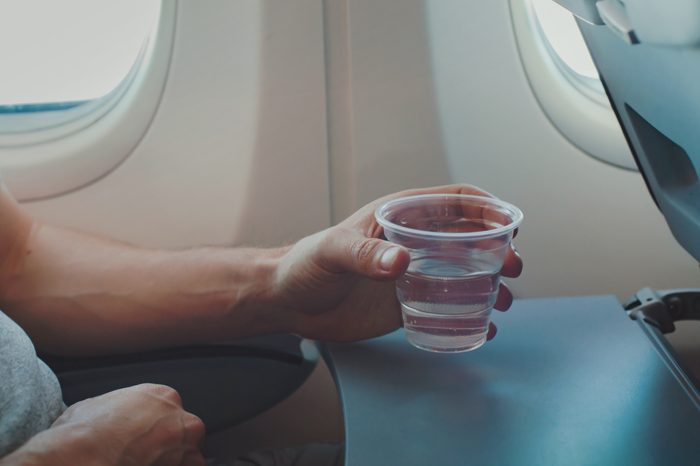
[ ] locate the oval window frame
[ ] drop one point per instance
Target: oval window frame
(580, 113)
(90, 140)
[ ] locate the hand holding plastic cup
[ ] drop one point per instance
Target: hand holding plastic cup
(457, 244)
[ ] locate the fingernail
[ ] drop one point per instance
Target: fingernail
(388, 258)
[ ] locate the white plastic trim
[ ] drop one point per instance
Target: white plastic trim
(60, 158)
(585, 120)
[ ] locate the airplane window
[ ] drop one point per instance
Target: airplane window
(565, 82)
(559, 28)
(82, 80)
(59, 55)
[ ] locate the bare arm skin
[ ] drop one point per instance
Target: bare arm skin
(75, 293)
(79, 294)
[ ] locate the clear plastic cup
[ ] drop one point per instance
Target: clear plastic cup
(457, 245)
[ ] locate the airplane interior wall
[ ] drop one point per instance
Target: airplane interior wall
(236, 153)
(279, 118)
(438, 94)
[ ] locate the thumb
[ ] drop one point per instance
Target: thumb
(373, 258)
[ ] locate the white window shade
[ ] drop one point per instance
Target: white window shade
(564, 81)
(69, 50)
(77, 117)
(559, 28)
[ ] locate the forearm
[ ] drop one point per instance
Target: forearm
(61, 446)
(76, 293)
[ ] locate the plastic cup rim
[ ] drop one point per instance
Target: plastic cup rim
(515, 223)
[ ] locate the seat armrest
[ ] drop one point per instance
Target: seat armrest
(223, 383)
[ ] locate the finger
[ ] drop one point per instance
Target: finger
(436, 213)
(195, 429)
(445, 189)
(181, 457)
(492, 331)
(193, 458)
(345, 250)
(366, 213)
(437, 208)
(504, 298)
(513, 263)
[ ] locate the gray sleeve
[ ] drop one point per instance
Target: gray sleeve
(30, 396)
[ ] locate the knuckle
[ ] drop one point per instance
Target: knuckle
(363, 250)
(165, 392)
(194, 424)
(150, 387)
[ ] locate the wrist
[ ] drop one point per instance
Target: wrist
(261, 304)
(293, 288)
(274, 309)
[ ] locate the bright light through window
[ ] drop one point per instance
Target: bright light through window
(69, 50)
(562, 33)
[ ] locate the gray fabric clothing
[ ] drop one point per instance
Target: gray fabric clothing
(30, 396)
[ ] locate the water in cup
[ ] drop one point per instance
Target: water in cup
(458, 244)
(446, 299)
